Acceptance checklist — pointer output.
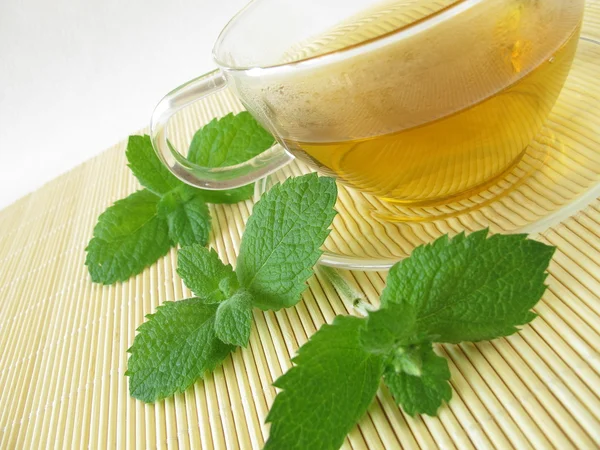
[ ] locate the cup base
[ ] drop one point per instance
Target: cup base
(527, 162)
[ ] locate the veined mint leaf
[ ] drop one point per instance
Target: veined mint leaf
(147, 168)
(282, 240)
(418, 379)
(128, 237)
(203, 272)
(331, 386)
(232, 139)
(469, 288)
(187, 216)
(227, 141)
(175, 347)
(234, 319)
(465, 288)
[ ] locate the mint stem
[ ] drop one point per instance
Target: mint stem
(346, 291)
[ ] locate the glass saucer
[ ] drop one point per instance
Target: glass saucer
(558, 175)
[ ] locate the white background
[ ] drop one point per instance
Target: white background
(77, 76)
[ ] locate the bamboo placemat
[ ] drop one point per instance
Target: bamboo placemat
(63, 341)
(63, 344)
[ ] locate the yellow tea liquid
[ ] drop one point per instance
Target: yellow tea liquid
(452, 155)
(437, 116)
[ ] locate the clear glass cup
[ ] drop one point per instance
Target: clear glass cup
(419, 103)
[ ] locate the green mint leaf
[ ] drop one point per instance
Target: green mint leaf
(469, 288)
(418, 379)
(234, 319)
(187, 216)
(230, 140)
(384, 332)
(282, 240)
(174, 348)
(203, 272)
(147, 168)
(128, 237)
(229, 285)
(331, 386)
(391, 327)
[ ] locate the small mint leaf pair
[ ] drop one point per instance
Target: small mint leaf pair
(469, 288)
(138, 230)
(210, 279)
(184, 340)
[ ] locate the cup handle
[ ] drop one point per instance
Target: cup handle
(216, 178)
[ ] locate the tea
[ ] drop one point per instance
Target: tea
(436, 115)
(453, 155)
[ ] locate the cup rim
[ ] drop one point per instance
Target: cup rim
(457, 7)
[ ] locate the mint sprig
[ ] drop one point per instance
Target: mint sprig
(468, 288)
(278, 250)
(136, 231)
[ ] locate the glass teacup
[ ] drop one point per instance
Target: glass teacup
(418, 103)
